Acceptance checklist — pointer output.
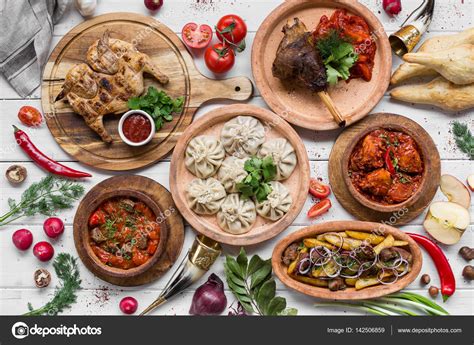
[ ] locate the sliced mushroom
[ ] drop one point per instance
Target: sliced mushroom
(42, 278)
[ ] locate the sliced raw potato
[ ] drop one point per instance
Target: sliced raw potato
(446, 221)
(455, 191)
(470, 182)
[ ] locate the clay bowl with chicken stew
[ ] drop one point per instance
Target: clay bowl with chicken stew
(118, 233)
(385, 167)
(347, 260)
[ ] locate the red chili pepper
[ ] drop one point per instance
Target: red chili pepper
(446, 276)
(44, 161)
(388, 161)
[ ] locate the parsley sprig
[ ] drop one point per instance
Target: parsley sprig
(252, 284)
(44, 197)
(67, 271)
(464, 138)
(338, 56)
(158, 104)
(260, 172)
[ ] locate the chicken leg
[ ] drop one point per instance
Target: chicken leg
(435, 44)
(439, 92)
(455, 64)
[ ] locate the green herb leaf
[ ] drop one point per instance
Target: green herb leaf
(255, 289)
(464, 138)
(67, 271)
(158, 104)
(338, 55)
(44, 197)
(289, 312)
(259, 173)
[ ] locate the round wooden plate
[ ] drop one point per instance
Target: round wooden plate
(349, 293)
(427, 189)
(298, 105)
(211, 124)
(170, 54)
(171, 218)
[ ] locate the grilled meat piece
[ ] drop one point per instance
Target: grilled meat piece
(297, 58)
(377, 182)
(112, 75)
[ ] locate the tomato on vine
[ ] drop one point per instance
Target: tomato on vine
(232, 30)
(219, 58)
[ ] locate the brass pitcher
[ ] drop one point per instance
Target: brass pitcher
(404, 40)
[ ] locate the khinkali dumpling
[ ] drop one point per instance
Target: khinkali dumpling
(283, 155)
(204, 156)
(277, 204)
(242, 136)
(232, 172)
(205, 196)
(236, 215)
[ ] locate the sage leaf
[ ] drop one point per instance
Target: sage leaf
(276, 306)
(265, 294)
(260, 275)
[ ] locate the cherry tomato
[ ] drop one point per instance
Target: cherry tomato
(128, 305)
(30, 116)
(196, 36)
(219, 59)
(318, 209)
(318, 189)
(231, 28)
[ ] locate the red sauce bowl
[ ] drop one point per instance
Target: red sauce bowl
(136, 128)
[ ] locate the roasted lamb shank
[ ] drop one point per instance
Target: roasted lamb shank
(112, 75)
(297, 59)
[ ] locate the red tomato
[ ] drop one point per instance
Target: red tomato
(97, 218)
(196, 36)
(30, 116)
(318, 209)
(231, 28)
(318, 189)
(219, 59)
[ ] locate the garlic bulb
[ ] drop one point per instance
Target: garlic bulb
(86, 7)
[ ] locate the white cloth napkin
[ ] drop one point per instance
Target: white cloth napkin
(26, 30)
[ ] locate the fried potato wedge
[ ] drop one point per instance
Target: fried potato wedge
(386, 243)
(365, 236)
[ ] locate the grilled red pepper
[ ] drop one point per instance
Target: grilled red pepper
(446, 276)
(44, 161)
(388, 161)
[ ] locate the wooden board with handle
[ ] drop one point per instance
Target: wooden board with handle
(168, 52)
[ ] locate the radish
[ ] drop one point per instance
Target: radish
(392, 7)
(53, 227)
(153, 5)
(22, 239)
(44, 251)
(128, 305)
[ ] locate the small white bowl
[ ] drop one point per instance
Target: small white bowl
(124, 138)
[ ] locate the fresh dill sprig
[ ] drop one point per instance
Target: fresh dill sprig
(67, 271)
(464, 138)
(44, 197)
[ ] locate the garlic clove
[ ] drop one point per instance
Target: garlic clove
(86, 7)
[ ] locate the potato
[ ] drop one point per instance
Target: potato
(363, 283)
(292, 267)
(311, 281)
(400, 243)
(365, 236)
(339, 233)
(386, 243)
(350, 281)
(313, 242)
(347, 243)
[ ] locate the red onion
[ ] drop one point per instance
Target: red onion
(237, 311)
(392, 7)
(209, 298)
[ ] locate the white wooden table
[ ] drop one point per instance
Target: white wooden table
(99, 298)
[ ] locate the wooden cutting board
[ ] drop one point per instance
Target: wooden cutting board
(168, 52)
